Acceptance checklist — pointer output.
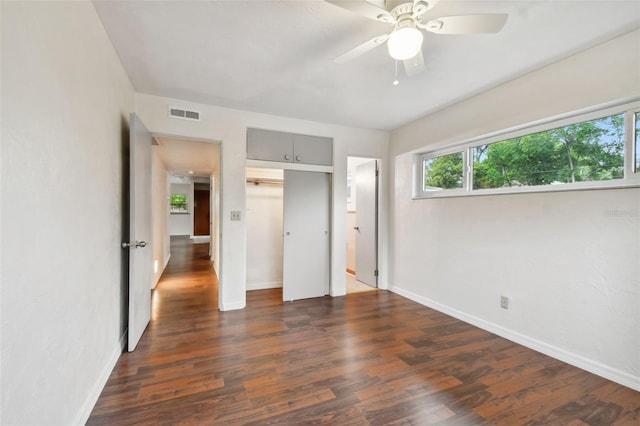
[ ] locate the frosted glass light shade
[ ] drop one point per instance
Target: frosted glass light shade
(405, 43)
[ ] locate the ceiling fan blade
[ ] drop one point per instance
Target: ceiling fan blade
(415, 65)
(467, 24)
(364, 8)
(363, 48)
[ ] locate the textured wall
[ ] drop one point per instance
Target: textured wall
(66, 102)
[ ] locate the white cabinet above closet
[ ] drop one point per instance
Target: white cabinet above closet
(269, 145)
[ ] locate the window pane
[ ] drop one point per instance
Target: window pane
(588, 151)
(179, 203)
(637, 168)
(444, 172)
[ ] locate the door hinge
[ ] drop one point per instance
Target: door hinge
(377, 173)
(375, 273)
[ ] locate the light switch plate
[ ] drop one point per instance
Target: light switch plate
(235, 215)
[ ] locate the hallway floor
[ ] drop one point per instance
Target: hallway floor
(355, 286)
(372, 358)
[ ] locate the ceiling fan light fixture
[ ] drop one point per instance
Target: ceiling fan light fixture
(405, 43)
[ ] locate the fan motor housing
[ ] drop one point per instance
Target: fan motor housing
(409, 11)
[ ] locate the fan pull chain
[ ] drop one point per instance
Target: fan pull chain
(396, 82)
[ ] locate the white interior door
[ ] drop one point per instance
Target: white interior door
(140, 250)
(366, 223)
(306, 235)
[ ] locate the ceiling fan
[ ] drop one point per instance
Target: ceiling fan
(404, 42)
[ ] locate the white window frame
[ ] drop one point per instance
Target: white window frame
(631, 177)
(441, 154)
(632, 148)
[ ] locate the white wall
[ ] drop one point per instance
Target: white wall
(66, 101)
(182, 223)
(264, 218)
(215, 219)
(568, 261)
(230, 127)
(160, 199)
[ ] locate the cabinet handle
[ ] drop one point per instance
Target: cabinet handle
(298, 158)
(287, 157)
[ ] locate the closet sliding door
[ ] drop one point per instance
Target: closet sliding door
(306, 235)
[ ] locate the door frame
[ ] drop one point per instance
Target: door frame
(214, 213)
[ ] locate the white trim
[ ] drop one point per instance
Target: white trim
(576, 360)
(289, 166)
(98, 386)
(264, 286)
(166, 262)
(577, 186)
(232, 306)
(334, 293)
(630, 144)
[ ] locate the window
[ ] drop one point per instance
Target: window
(443, 172)
(587, 151)
(581, 151)
(179, 203)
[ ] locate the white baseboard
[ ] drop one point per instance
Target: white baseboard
(576, 360)
(335, 293)
(264, 286)
(232, 306)
(94, 394)
(166, 262)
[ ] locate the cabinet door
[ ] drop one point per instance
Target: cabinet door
(312, 150)
(269, 145)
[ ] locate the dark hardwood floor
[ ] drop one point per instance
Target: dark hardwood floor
(370, 358)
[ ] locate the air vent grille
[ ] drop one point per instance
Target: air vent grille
(184, 114)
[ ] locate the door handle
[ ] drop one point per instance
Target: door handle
(357, 228)
(134, 245)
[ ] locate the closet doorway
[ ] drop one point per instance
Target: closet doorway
(287, 217)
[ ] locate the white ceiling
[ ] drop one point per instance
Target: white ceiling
(188, 158)
(277, 56)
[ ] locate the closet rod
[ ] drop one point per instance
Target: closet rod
(258, 181)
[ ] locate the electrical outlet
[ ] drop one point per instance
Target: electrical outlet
(504, 302)
(235, 215)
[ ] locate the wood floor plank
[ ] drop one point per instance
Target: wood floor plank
(370, 358)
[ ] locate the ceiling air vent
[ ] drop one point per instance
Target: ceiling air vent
(184, 114)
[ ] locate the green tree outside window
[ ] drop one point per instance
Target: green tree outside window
(179, 203)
